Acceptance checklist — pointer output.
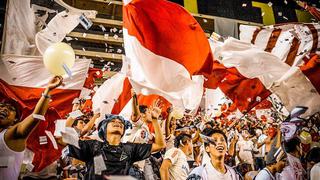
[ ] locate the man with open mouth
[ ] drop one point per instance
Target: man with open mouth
(214, 168)
(112, 157)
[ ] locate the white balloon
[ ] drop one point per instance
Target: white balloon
(58, 55)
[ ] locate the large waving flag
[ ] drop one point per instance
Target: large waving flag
(247, 75)
(290, 42)
(166, 48)
(24, 78)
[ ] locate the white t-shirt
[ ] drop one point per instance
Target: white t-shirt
(138, 134)
(10, 161)
(262, 150)
(208, 172)
(315, 172)
(265, 174)
(245, 150)
(294, 171)
(180, 168)
(216, 175)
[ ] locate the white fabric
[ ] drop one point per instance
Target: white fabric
(134, 135)
(283, 45)
(226, 27)
(315, 172)
(29, 71)
(246, 32)
(154, 74)
(56, 30)
(107, 93)
(245, 149)
(294, 171)
(9, 158)
(304, 34)
(250, 61)
(22, 25)
(214, 98)
(88, 13)
(20, 29)
(180, 168)
(265, 174)
(262, 149)
(284, 42)
(294, 89)
(208, 172)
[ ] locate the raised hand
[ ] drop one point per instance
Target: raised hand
(156, 109)
(55, 82)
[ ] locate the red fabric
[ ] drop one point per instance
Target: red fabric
(311, 69)
(168, 30)
(241, 90)
(314, 12)
(164, 27)
(59, 107)
(264, 104)
(93, 73)
(124, 97)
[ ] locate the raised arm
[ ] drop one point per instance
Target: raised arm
(76, 106)
(164, 170)
(135, 107)
(159, 139)
(17, 135)
(90, 124)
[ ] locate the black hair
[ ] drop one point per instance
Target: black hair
(211, 123)
(314, 155)
(143, 108)
(75, 122)
(15, 106)
(209, 132)
(291, 145)
(181, 138)
(252, 131)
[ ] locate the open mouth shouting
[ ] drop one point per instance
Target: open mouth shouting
(3, 114)
(220, 148)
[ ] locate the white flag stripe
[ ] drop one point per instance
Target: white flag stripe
(161, 76)
(29, 71)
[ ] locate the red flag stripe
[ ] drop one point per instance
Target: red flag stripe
(163, 36)
(273, 40)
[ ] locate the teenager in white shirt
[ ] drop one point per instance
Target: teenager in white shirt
(175, 165)
(245, 148)
(216, 148)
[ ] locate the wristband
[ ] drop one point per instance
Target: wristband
(47, 96)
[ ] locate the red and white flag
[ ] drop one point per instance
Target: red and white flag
(248, 75)
(24, 78)
(166, 49)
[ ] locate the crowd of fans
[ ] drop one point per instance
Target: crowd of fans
(178, 146)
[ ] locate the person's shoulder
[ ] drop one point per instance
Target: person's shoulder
(316, 168)
(197, 172)
(230, 169)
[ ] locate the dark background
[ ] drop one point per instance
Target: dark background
(233, 9)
